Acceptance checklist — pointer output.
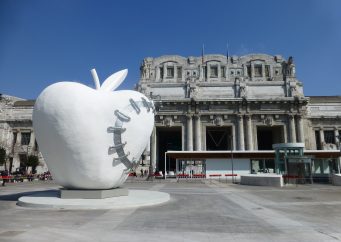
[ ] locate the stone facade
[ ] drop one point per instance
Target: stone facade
(16, 132)
(252, 101)
(252, 96)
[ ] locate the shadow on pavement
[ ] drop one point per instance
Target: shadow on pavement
(16, 196)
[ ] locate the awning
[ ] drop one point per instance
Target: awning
(257, 154)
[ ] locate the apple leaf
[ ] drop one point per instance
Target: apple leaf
(113, 81)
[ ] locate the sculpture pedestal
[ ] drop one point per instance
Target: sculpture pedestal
(93, 194)
(51, 200)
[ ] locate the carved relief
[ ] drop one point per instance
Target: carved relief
(146, 68)
(267, 120)
(168, 122)
(242, 89)
(218, 121)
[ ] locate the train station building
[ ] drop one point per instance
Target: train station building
(242, 104)
(239, 105)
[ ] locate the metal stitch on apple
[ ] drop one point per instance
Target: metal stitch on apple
(122, 156)
(112, 148)
(135, 106)
(116, 129)
(145, 104)
(122, 116)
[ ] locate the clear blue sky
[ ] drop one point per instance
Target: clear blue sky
(42, 42)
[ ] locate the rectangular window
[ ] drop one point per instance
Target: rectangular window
(318, 140)
(214, 71)
(179, 72)
(205, 71)
(223, 70)
(161, 72)
(170, 72)
(248, 71)
(25, 138)
(329, 136)
(267, 71)
(258, 70)
(23, 161)
(15, 134)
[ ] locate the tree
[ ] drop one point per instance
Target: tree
(3, 156)
(33, 161)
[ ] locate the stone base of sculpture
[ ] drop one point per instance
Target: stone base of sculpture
(52, 200)
(93, 194)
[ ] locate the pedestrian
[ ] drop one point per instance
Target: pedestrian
(4, 177)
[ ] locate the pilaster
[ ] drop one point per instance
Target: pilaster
(241, 145)
(189, 133)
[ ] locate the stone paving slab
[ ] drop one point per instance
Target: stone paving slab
(211, 211)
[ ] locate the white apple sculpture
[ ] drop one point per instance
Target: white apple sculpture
(91, 138)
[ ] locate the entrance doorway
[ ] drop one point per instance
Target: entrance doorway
(267, 136)
(218, 138)
(168, 139)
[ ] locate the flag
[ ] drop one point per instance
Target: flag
(227, 51)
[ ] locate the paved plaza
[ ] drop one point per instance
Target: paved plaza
(198, 211)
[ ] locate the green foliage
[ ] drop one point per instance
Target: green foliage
(2, 155)
(32, 161)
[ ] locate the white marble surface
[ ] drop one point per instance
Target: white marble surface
(136, 198)
(72, 124)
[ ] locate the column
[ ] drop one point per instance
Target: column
(234, 137)
(175, 72)
(148, 154)
(197, 133)
(189, 133)
(164, 72)
(201, 73)
(245, 70)
(249, 136)
(18, 143)
(208, 68)
(241, 145)
(152, 164)
(300, 132)
(157, 78)
(252, 70)
(337, 138)
(32, 139)
(30, 147)
(263, 70)
(292, 129)
(322, 138)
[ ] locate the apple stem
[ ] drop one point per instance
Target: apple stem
(96, 80)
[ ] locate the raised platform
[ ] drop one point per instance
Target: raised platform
(93, 194)
(272, 180)
(135, 198)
